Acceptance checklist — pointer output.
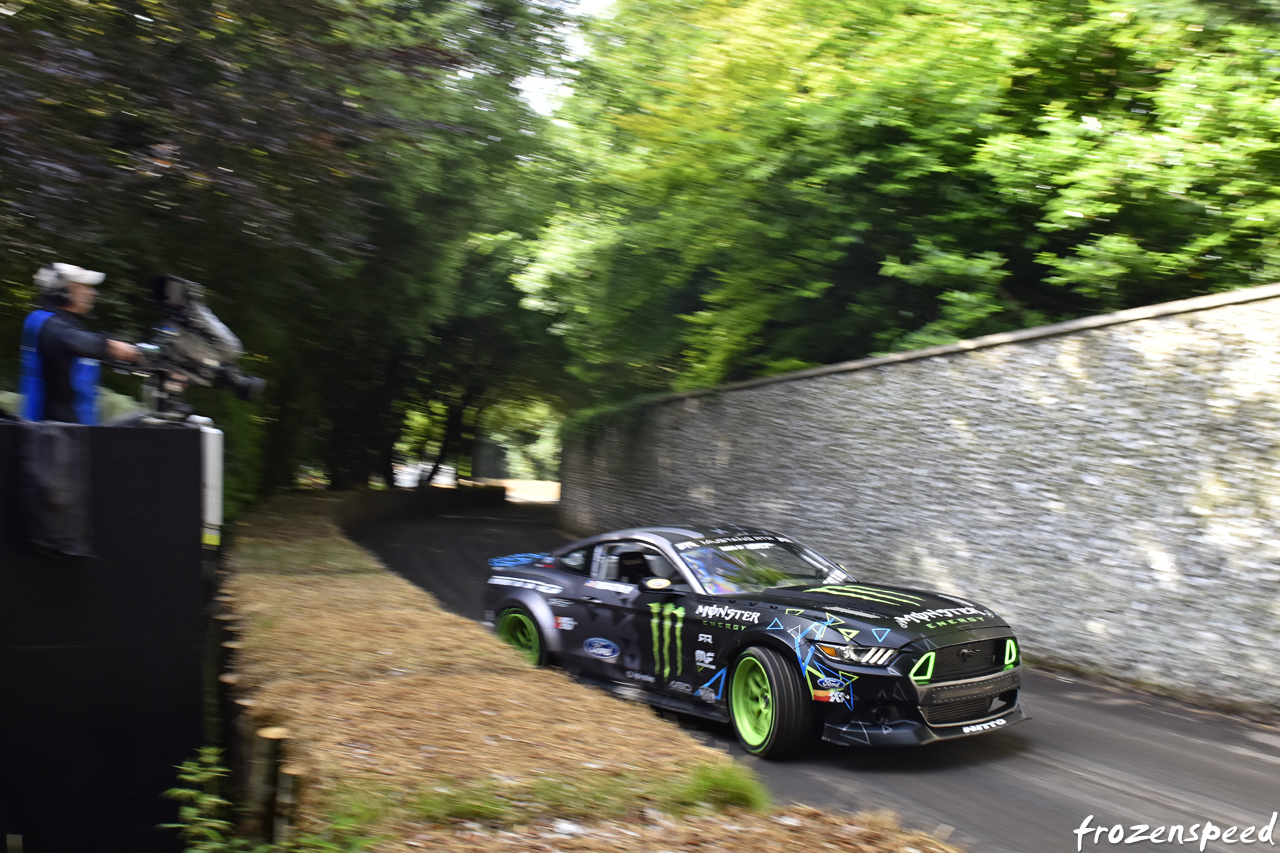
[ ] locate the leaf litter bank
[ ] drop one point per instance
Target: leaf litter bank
(417, 727)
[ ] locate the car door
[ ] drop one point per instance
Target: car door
(648, 628)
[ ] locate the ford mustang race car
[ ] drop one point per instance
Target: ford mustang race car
(742, 625)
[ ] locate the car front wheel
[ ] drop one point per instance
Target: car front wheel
(770, 704)
(516, 626)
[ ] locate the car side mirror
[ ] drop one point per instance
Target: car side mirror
(658, 585)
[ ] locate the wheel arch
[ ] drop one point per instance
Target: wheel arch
(539, 610)
(768, 639)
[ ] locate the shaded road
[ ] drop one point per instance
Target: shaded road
(1123, 757)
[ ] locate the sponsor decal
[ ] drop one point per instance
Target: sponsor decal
(720, 612)
(524, 583)
(704, 659)
(599, 647)
(665, 617)
(706, 694)
(566, 623)
(704, 638)
(983, 727)
(515, 559)
(680, 686)
(612, 586)
(837, 696)
(559, 602)
(830, 683)
(949, 615)
(740, 541)
(945, 622)
(641, 676)
(718, 677)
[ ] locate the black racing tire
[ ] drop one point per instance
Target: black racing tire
(517, 627)
(770, 704)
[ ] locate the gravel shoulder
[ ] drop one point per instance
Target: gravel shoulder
(414, 726)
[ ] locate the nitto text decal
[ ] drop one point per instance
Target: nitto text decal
(719, 611)
(982, 727)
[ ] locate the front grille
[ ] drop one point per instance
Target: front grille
(968, 660)
(974, 709)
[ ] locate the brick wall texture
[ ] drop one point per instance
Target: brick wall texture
(1113, 491)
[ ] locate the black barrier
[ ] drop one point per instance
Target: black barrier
(101, 658)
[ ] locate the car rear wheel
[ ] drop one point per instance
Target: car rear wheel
(517, 627)
(770, 704)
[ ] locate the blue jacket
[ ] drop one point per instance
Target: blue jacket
(60, 368)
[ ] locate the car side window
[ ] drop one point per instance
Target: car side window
(630, 562)
(577, 562)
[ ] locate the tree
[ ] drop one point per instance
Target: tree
(319, 164)
(815, 180)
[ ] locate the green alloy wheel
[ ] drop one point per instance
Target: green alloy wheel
(517, 627)
(770, 704)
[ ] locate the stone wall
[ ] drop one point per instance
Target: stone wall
(1111, 485)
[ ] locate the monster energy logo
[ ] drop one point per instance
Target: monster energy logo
(662, 648)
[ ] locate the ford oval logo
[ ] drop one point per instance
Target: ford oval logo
(830, 683)
(599, 647)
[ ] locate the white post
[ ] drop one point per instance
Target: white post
(212, 447)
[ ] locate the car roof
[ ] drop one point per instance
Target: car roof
(672, 534)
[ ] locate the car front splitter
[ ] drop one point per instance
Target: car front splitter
(912, 733)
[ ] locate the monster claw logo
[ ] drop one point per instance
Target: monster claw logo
(664, 613)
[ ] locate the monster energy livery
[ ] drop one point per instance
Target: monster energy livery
(746, 626)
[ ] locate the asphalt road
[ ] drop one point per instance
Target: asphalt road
(1126, 758)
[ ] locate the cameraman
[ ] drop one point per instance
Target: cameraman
(59, 356)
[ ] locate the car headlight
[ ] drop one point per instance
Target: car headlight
(862, 655)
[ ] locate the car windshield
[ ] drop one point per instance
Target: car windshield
(750, 564)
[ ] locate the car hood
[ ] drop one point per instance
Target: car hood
(906, 614)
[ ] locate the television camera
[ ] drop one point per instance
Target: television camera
(191, 347)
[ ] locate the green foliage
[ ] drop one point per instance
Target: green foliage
(451, 801)
(756, 186)
(721, 786)
(205, 827)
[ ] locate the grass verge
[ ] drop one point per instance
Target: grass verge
(418, 728)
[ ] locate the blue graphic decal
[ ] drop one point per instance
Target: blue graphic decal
(599, 647)
(719, 676)
(880, 633)
(514, 559)
(776, 626)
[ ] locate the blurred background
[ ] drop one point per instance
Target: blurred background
(442, 228)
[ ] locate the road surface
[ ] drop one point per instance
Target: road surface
(1124, 758)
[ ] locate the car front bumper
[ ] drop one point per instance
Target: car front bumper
(940, 714)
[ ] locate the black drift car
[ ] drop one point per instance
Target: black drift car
(743, 625)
